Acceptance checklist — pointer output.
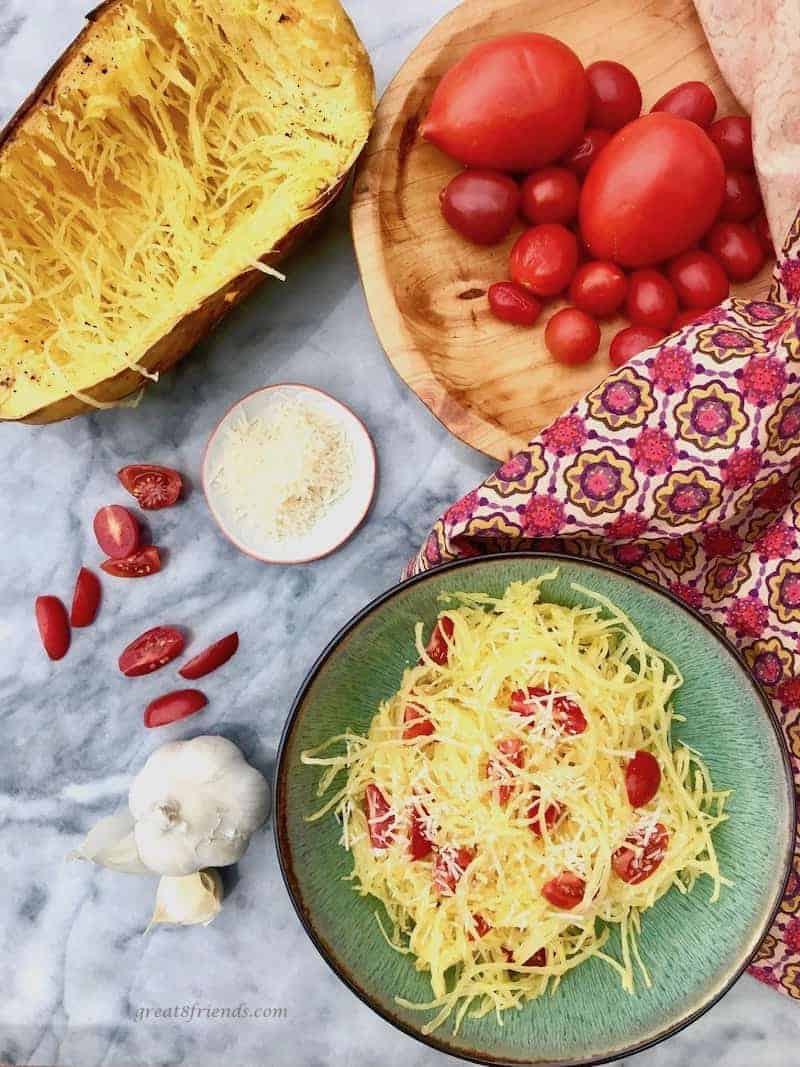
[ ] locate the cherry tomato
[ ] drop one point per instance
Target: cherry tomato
(654, 191)
(153, 486)
(734, 140)
(572, 337)
(418, 722)
(544, 258)
(641, 854)
(762, 231)
(566, 713)
(117, 531)
(584, 154)
(210, 658)
(438, 648)
(510, 302)
(642, 778)
(550, 195)
(482, 928)
(53, 624)
(512, 103)
(615, 98)
(689, 100)
(380, 818)
(511, 749)
(552, 813)
(738, 250)
(699, 280)
(742, 198)
(173, 706)
(565, 891)
(142, 563)
(651, 300)
(598, 288)
(420, 845)
(685, 318)
(481, 205)
(152, 650)
(448, 866)
(631, 341)
(85, 599)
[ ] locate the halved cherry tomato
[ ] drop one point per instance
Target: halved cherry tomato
(566, 713)
(51, 619)
(419, 844)
(615, 98)
(380, 818)
(651, 300)
(210, 658)
(418, 722)
(552, 813)
(699, 280)
(572, 337)
(511, 748)
(689, 100)
(152, 650)
(642, 778)
(565, 891)
(636, 860)
(631, 341)
(544, 258)
(733, 137)
(117, 531)
(598, 288)
(738, 250)
(85, 599)
(139, 565)
(481, 205)
(153, 486)
(510, 302)
(550, 195)
(762, 231)
(438, 648)
(448, 866)
(584, 154)
(482, 928)
(742, 200)
(174, 706)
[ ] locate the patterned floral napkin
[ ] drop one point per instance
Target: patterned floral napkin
(683, 465)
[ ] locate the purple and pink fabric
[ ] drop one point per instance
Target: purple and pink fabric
(684, 465)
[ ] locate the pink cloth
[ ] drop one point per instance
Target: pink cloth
(683, 465)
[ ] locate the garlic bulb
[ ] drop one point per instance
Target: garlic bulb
(195, 804)
(111, 843)
(188, 900)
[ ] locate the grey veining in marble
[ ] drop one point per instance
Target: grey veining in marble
(74, 966)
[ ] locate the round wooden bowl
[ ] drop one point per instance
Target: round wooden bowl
(492, 384)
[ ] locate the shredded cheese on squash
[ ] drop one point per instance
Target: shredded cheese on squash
(450, 778)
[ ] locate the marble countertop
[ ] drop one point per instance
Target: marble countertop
(75, 970)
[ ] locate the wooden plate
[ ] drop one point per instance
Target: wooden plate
(493, 385)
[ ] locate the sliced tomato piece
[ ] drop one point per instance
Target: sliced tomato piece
(210, 658)
(53, 624)
(85, 599)
(420, 845)
(511, 748)
(417, 722)
(117, 531)
(552, 813)
(449, 865)
(438, 649)
(538, 959)
(153, 486)
(139, 565)
(565, 891)
(174, 706)
(566, 713)
(380, 818)
(152, 650)
(642, 778)
(482, 927)
(641, 854)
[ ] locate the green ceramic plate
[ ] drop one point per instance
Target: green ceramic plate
(694, 951)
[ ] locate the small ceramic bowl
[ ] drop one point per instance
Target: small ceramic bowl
(694, 950)
(341, 520)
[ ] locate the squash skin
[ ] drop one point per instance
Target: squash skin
(198, 322)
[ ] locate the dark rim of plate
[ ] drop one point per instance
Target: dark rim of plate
(329, 954)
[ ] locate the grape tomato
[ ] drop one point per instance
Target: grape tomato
(544, 258)
(550, 195)
(572, 337)
(615, 98)
(481, 205)
(694, 101)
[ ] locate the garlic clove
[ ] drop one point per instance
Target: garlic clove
(111, 843)
(188, 900)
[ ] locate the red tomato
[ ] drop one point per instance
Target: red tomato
(85, 599)
(481, 205)
(538, 959)
(685, 318)
(154, 487)
(572, 337)
(584, 154)
(380, 819)
(651, 300)
(598, 288)
(482, 928)
(511, 748)
(117, 531)
(631, 341)
(550, 195)
(699, 280)
(512, 103)
(565, 891)
(654, 191)
(733, 137)
(544, 258)
(152, 650)
(53, 624)
(438, 648)
(510, 302)
(173, 706)
(641, 854)
(566, 713)
(448, 866)
(738, 250)
(210, 658)
(742, 197)
(642, 778)
(420, 845)
(689, 100)
(615, 98)
(139, 565)
(418, 722)
(552, 813)
(762, 231)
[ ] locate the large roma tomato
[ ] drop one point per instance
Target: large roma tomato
(513, 103)
(655, 189)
